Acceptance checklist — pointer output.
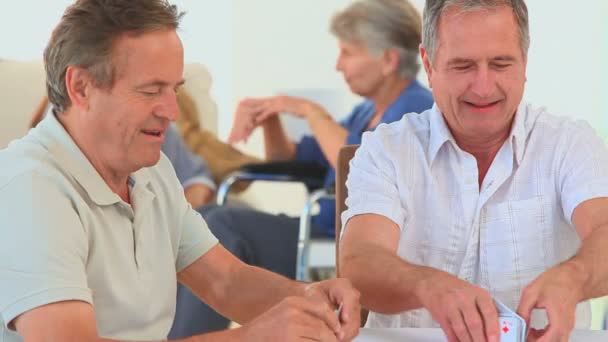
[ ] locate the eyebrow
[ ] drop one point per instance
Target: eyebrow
(502, 58)
(158, 83)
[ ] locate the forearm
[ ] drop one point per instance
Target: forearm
(589, 264)
(330, 135)
(276, 143)
(387, 283)
(254, 290)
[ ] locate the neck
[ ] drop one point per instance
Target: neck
(117, 180)
(484, 151)
(388, 92)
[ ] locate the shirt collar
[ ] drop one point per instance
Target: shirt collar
(51, 133)
(440, 133)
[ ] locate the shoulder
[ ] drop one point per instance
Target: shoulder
(360, 110)
(25, 160)
(418, 98)
(552, 128)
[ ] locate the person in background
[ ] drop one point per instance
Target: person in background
(378, 57)
(95, 229)
(191, 170)
(482, 197)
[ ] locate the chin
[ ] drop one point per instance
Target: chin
(149, 160)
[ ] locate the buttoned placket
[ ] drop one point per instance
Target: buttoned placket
(141, 199)
(500, 170)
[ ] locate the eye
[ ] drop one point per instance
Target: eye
(501, 66)
(150, 91)
(462, 67)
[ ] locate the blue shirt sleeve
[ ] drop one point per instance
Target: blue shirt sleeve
(190, 168)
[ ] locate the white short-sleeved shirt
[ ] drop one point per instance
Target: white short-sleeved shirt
(64, 235)
(501, 235)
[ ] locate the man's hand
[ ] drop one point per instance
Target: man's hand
(335, 293)
(464, 311)
(558, 291)
(294, 319)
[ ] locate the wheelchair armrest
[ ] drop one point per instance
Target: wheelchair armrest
(296, 169)
(312, 174)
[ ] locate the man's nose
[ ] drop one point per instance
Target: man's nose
(169, 108)
(484, 83)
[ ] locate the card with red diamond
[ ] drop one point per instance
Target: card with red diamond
(512, 326)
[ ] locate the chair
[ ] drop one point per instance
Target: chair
(312, 175)
(344, 156)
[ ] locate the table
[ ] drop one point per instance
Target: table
(436, 335)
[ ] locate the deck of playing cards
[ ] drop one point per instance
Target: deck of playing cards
(512, 326)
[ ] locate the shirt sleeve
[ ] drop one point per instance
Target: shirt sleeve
(584, 168)
(43, 247)
(189, 167)
(371, 182)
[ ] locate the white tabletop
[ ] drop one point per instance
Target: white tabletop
(436, 335)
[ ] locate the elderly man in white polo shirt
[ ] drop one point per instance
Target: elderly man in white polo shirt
(94, 225)
(481, 196)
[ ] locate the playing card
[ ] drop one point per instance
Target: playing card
(510, 329)
(512, 326)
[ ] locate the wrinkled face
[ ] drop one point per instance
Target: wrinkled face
(479, 72)
(362, 71)
(128, 121)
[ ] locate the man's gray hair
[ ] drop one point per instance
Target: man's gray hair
(85, 37)
(433, 9)
(380, 25)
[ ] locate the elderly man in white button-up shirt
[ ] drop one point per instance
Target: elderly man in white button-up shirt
(481, 196)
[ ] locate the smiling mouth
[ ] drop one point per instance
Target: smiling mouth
(152, 133)
(482, 105)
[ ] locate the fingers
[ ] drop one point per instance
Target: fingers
(486, 307)
(529, 299)
(458, 325)
(265, 114)
(467, 314)
(534, 335)
(340, 292)
(239, 133)
(336, 293)
(244, 120)
(307, 327)
(448, 331)
(561, 322)
(474, 323)
(325, 315)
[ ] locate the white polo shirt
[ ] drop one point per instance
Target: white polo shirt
(501, 235)
(64, 235)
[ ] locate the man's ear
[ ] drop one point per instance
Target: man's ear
(391, 61)
(78, 84)
(426, 62)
